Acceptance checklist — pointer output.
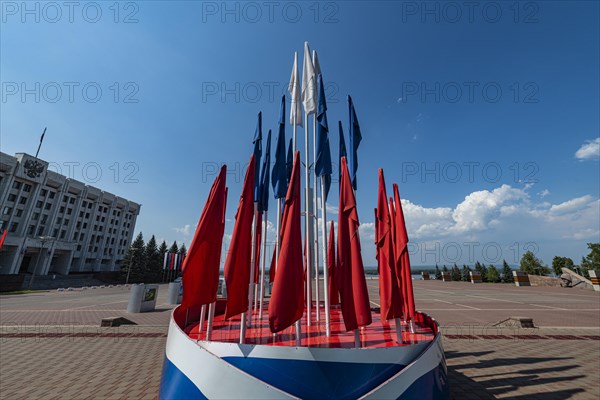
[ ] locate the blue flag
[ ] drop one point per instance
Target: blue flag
(257, 154)
(279, 178)
(323, 162)
(290, 161)
(343, 152)
(265, 177)
(355, 138)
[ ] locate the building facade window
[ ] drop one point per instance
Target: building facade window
(12, 197)
(27, 188)
(16, 185)
(13, 227)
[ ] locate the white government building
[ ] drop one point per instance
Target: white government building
(58, 225)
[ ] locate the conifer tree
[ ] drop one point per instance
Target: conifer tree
(507, 276)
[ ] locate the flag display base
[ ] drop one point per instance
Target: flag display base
(271, 366)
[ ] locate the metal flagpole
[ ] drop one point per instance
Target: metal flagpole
(307, 224)
(262, 272)
(202, 312)
(325, 271)
(315, 225)
(278, 235)
(294, 136)
(398, 330)
(252, 262)
(211, 315)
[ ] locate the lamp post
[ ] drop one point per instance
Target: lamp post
(43, 239)
(133, 249)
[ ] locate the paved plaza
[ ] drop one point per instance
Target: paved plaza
(52, 346)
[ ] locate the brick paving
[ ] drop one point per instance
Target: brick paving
(51, 345)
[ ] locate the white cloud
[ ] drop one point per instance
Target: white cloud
(184, 230)
(544, 193)
(570, 206)
(589, 150)
(479, 208)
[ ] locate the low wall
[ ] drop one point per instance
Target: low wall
(537, 280)
(11, 283)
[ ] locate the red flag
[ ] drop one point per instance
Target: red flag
(352, 285)
(237, 264)
(171, 261)
(402, 258)
(287, 300)
(272, 267)
(334, 295)
(258, 236)
(397, 270)
(389, 294)
(201, 266)
(2, 238)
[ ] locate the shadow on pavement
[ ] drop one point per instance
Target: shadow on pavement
(486, 384)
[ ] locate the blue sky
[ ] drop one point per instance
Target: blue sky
(486, 116)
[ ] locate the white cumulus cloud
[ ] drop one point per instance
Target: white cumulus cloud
(589, 150)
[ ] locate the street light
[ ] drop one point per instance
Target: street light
(43, 239)
(133, 249)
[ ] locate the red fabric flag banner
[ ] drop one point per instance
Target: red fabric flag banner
(402, 258)
(2, 238)
(350, 271)
(201, 266)
(287, 300)
(389, 293)
(237, 264)
(334, 294)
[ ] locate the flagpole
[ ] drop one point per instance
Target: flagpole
(315, 224)
(211, 316)
(201, 322)
(294, 136)
(307, 224)
(262, 272)
(325, 271)
(252, 262)
(41, 140)
(278, 234)
(398, 330)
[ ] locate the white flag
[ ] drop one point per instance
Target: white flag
(294, 89)
(316, 65)
(166, 260)
(309, 83)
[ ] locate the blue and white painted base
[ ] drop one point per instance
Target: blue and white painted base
(218, 370)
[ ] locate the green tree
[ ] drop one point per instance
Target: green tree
(445, 269)
(592, 260)
(507, 276)
(455, 273)
(154, 261)
(438, 273)
(174, 248)
(492, 274)
(479, 267)
(162, 249)
(532, 265)
(183, 249)
(558, 263)
(135, 260)
(466, 276)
